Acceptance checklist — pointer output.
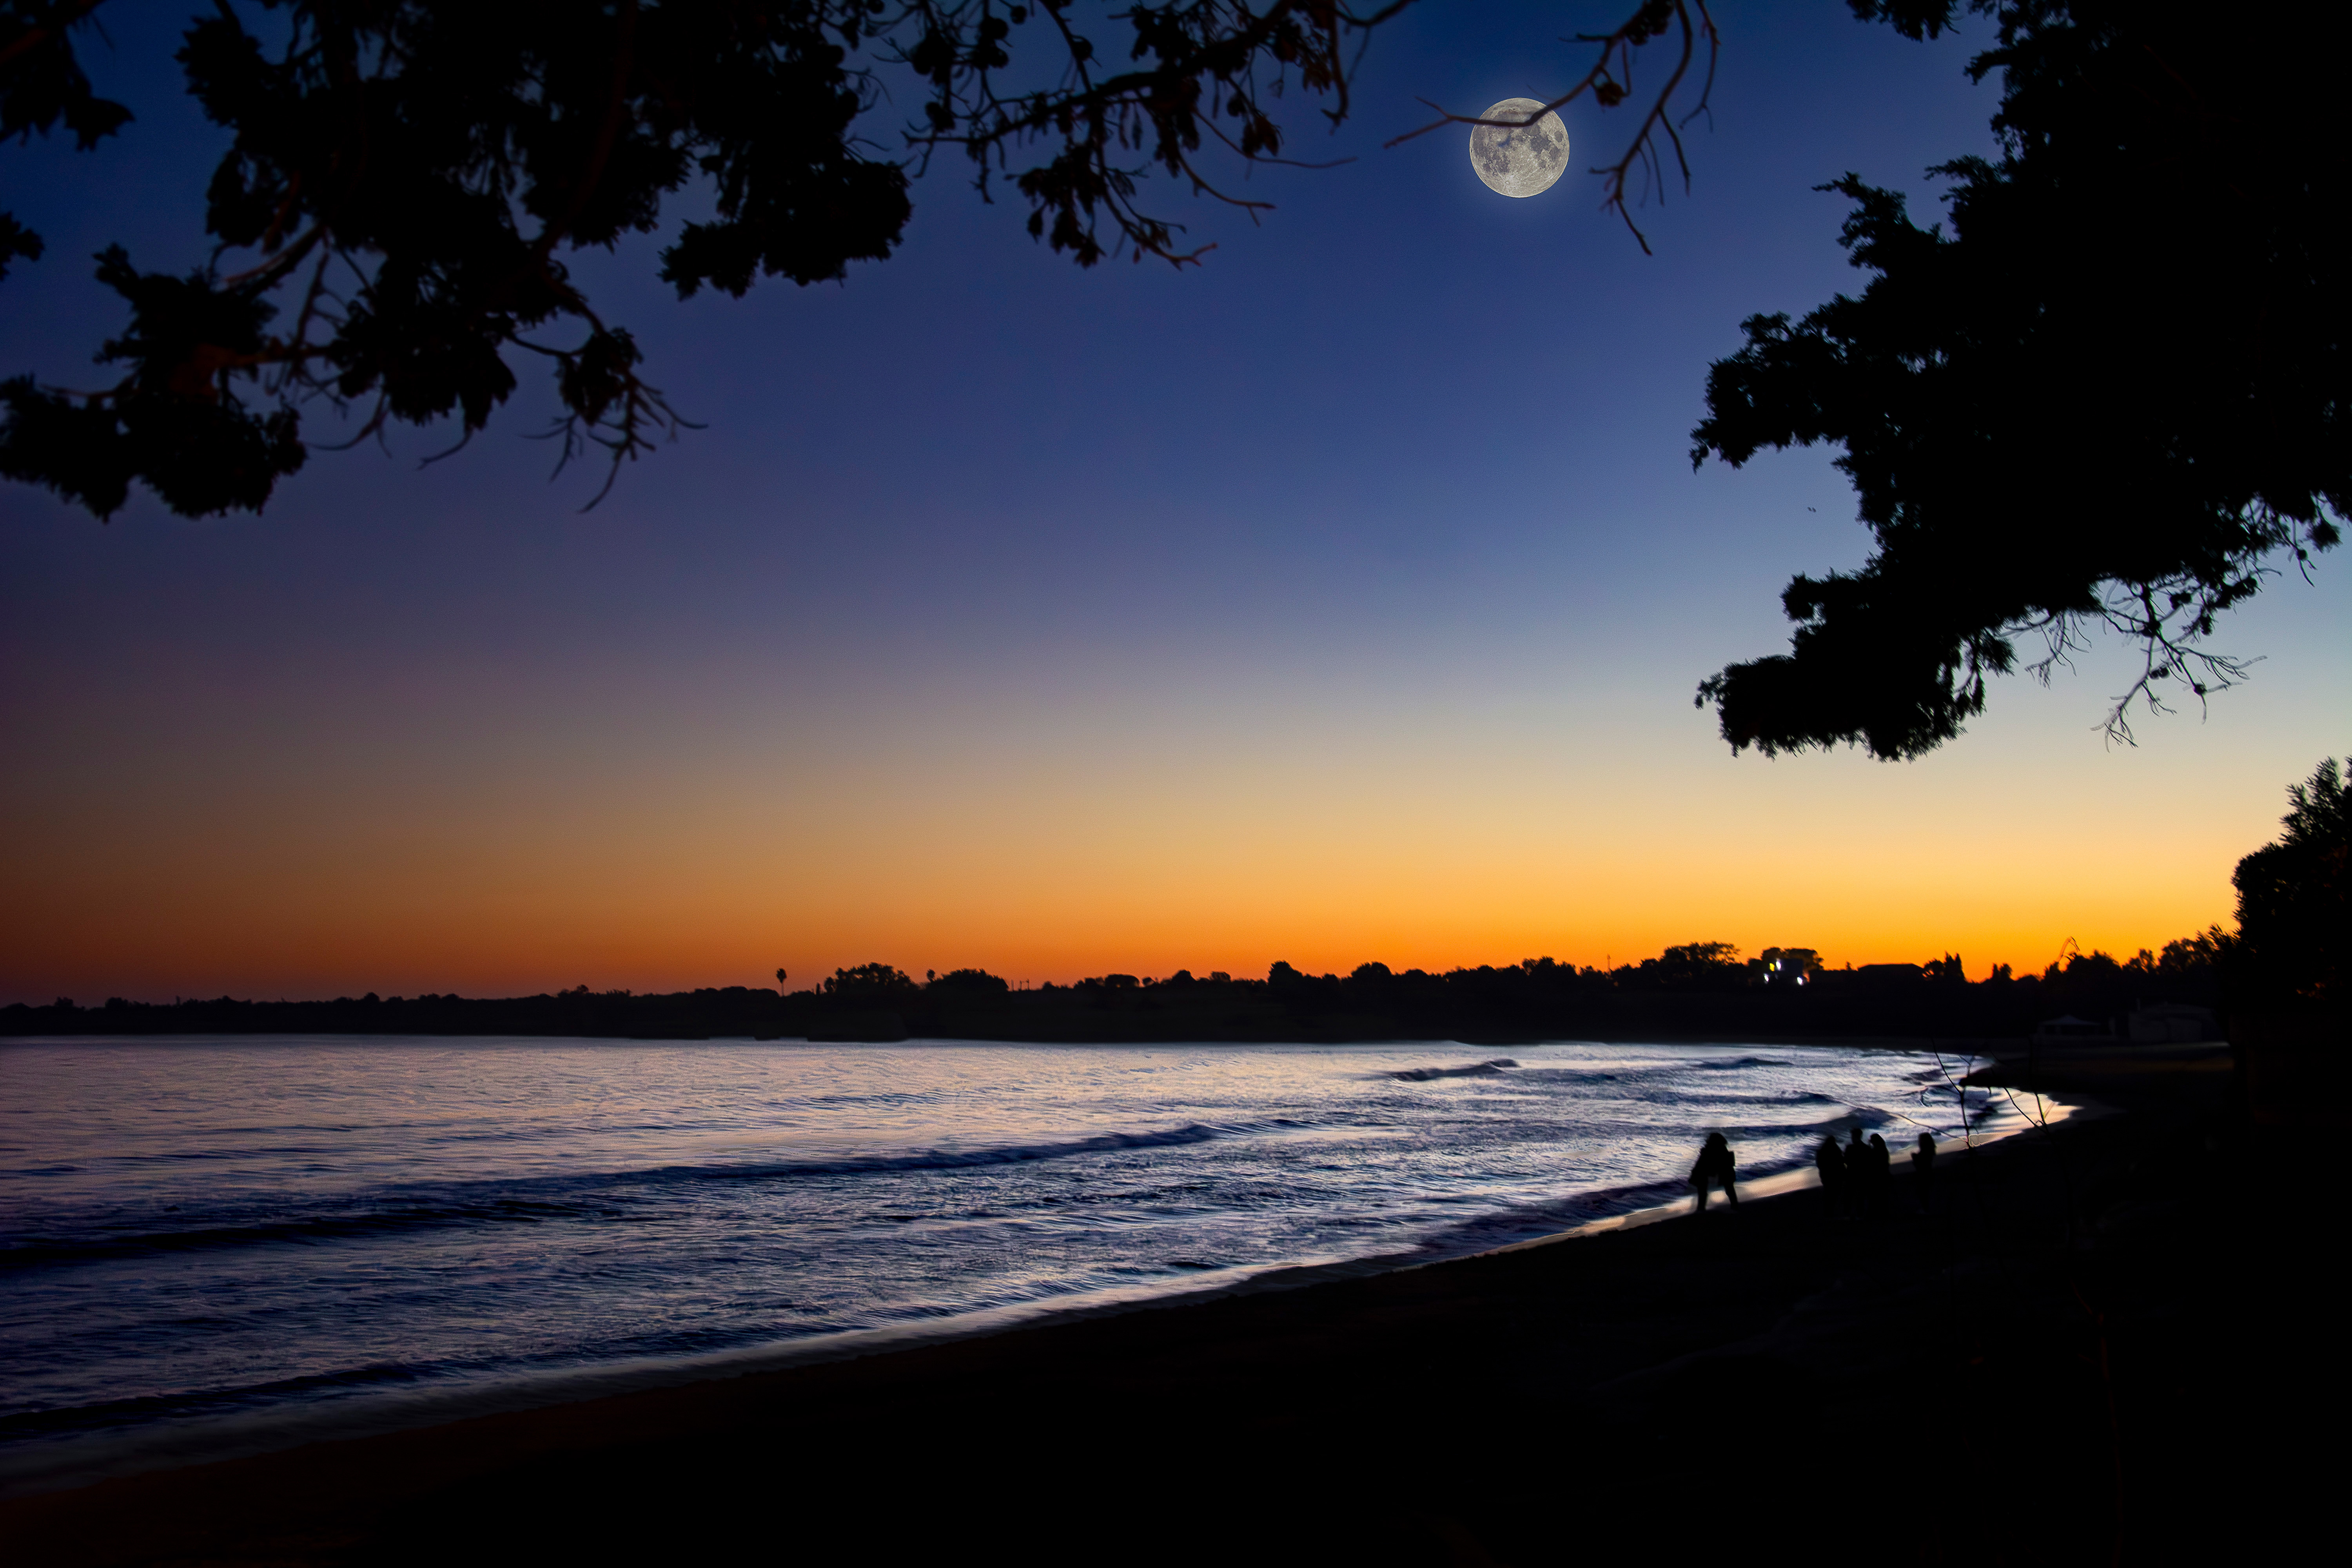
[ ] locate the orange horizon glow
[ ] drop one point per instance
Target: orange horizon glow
(485, 841)
(498, 910)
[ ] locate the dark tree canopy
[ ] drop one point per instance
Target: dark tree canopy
(979, 982)
(406, 178)
(869, 983)
(2294, 901)
(2114, 392)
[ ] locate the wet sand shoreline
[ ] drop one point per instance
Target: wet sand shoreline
(1440, 1413)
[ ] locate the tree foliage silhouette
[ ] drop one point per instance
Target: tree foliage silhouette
(2294, 901)
(408, 176)
(975, 981)
(869, 983)
(2114, 392)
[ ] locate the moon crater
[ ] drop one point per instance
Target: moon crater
(1521, 161)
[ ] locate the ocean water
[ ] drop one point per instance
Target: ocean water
(205, 1242)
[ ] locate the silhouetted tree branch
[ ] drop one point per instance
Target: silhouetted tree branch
(2113, 394)
(407, 175)
(1611, 81)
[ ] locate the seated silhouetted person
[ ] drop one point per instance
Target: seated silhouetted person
(1829, 1161)
(1715, 1164)
(1857, 1169)
(1882, 1172)
(1923, 1166)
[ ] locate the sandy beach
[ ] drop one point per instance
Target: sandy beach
(2095, 1346)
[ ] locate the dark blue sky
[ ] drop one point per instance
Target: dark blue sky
(1341, 598)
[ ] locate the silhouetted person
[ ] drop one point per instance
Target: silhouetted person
(1857, 1170)
(1829, 1161)
(1923, 1166)
(1715, 1164)
(1882, 1172)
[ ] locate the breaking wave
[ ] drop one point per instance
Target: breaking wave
(1475, 1070)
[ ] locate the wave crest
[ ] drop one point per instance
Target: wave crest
(1475, 1070)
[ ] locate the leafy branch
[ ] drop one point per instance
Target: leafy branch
(406, 178)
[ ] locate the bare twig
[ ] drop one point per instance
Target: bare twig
(1610, 81)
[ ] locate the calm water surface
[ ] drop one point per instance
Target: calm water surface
(197, 1228)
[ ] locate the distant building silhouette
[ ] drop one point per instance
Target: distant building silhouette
(2171, 1023)
(2069, 1030)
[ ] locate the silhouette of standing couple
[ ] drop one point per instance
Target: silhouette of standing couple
(1854, 1178)
(1714, 1167)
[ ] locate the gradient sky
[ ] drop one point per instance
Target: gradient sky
(1339, 600)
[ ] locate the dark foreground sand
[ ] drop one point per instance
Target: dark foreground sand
(2111, 1342)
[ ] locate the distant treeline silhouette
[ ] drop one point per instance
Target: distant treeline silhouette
(2280, 976)
(1700, 988)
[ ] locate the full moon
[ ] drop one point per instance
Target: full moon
(1522, 162)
